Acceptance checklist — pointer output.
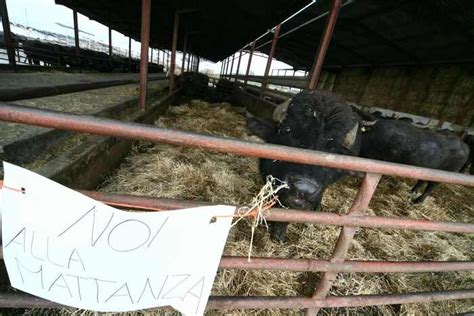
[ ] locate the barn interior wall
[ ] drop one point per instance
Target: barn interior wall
(442, 92)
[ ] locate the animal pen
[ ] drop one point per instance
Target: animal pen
(354, 219)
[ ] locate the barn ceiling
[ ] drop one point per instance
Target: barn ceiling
(368, 32)
(217, 27)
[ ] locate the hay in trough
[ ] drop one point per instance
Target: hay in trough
(184, 173)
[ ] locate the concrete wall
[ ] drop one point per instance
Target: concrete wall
(441, 92)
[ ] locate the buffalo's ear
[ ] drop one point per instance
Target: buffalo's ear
(262, 128)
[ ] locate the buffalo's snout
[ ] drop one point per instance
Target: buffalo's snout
(303, 193)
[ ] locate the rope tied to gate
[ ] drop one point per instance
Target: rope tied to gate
(260, 206)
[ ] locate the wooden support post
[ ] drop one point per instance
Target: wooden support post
(269, 60)
(173, 52)
(323, 45)
(145, 42)
(7, 33)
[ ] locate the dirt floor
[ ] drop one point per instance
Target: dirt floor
(183, 173)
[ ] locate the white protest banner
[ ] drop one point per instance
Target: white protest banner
(65, 247)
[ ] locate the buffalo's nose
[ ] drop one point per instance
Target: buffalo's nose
(305, 187)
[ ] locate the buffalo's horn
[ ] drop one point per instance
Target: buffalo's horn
(351, 136)
(280, 110)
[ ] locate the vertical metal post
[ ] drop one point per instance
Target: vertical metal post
(238, 65)
(185, 47)
(151, 56)
(76, 33)
(324, 44)
(145, 42)
(270, 58)
(189, 58)
(7, 33)
(197, 63)
(173, 52)
(231, 66)
(222, 68)
(110, 43)
(129, 54)
(227, 67)
(224, 64)
(360, 204)
(158, 56)
(252, 48)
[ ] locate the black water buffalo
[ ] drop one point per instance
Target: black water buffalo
(401, 142)
(317, 121)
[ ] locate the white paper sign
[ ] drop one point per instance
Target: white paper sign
(65, 247)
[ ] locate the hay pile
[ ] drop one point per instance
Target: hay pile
(183, 173)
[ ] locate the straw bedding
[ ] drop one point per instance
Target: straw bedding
(184, 173)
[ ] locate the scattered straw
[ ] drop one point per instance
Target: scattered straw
(265, 199)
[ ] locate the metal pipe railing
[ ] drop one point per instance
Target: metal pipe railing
(135, 131)
(286, 215)
(21, 300)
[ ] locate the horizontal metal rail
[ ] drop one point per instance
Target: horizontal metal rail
(135, 131)
(285, 215)
(312, 265)
(221, 302)
(22, 300)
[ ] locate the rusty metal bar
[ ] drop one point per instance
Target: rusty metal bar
(360, 204)
(145, 43)
(349, 266)
(135, 131)
(129, 54)
(324, 44)
(268, 302)
(269, 60)
(173, 52)
(197, 63)
(23, 300)
(76, 33)
(252, 48)
(285, 215)
(7, 32)
(185, 45)
(151, 55)
(232, 66)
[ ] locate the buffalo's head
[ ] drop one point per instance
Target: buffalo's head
(316, 121)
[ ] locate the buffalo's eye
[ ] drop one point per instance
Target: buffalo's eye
(287, 129)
